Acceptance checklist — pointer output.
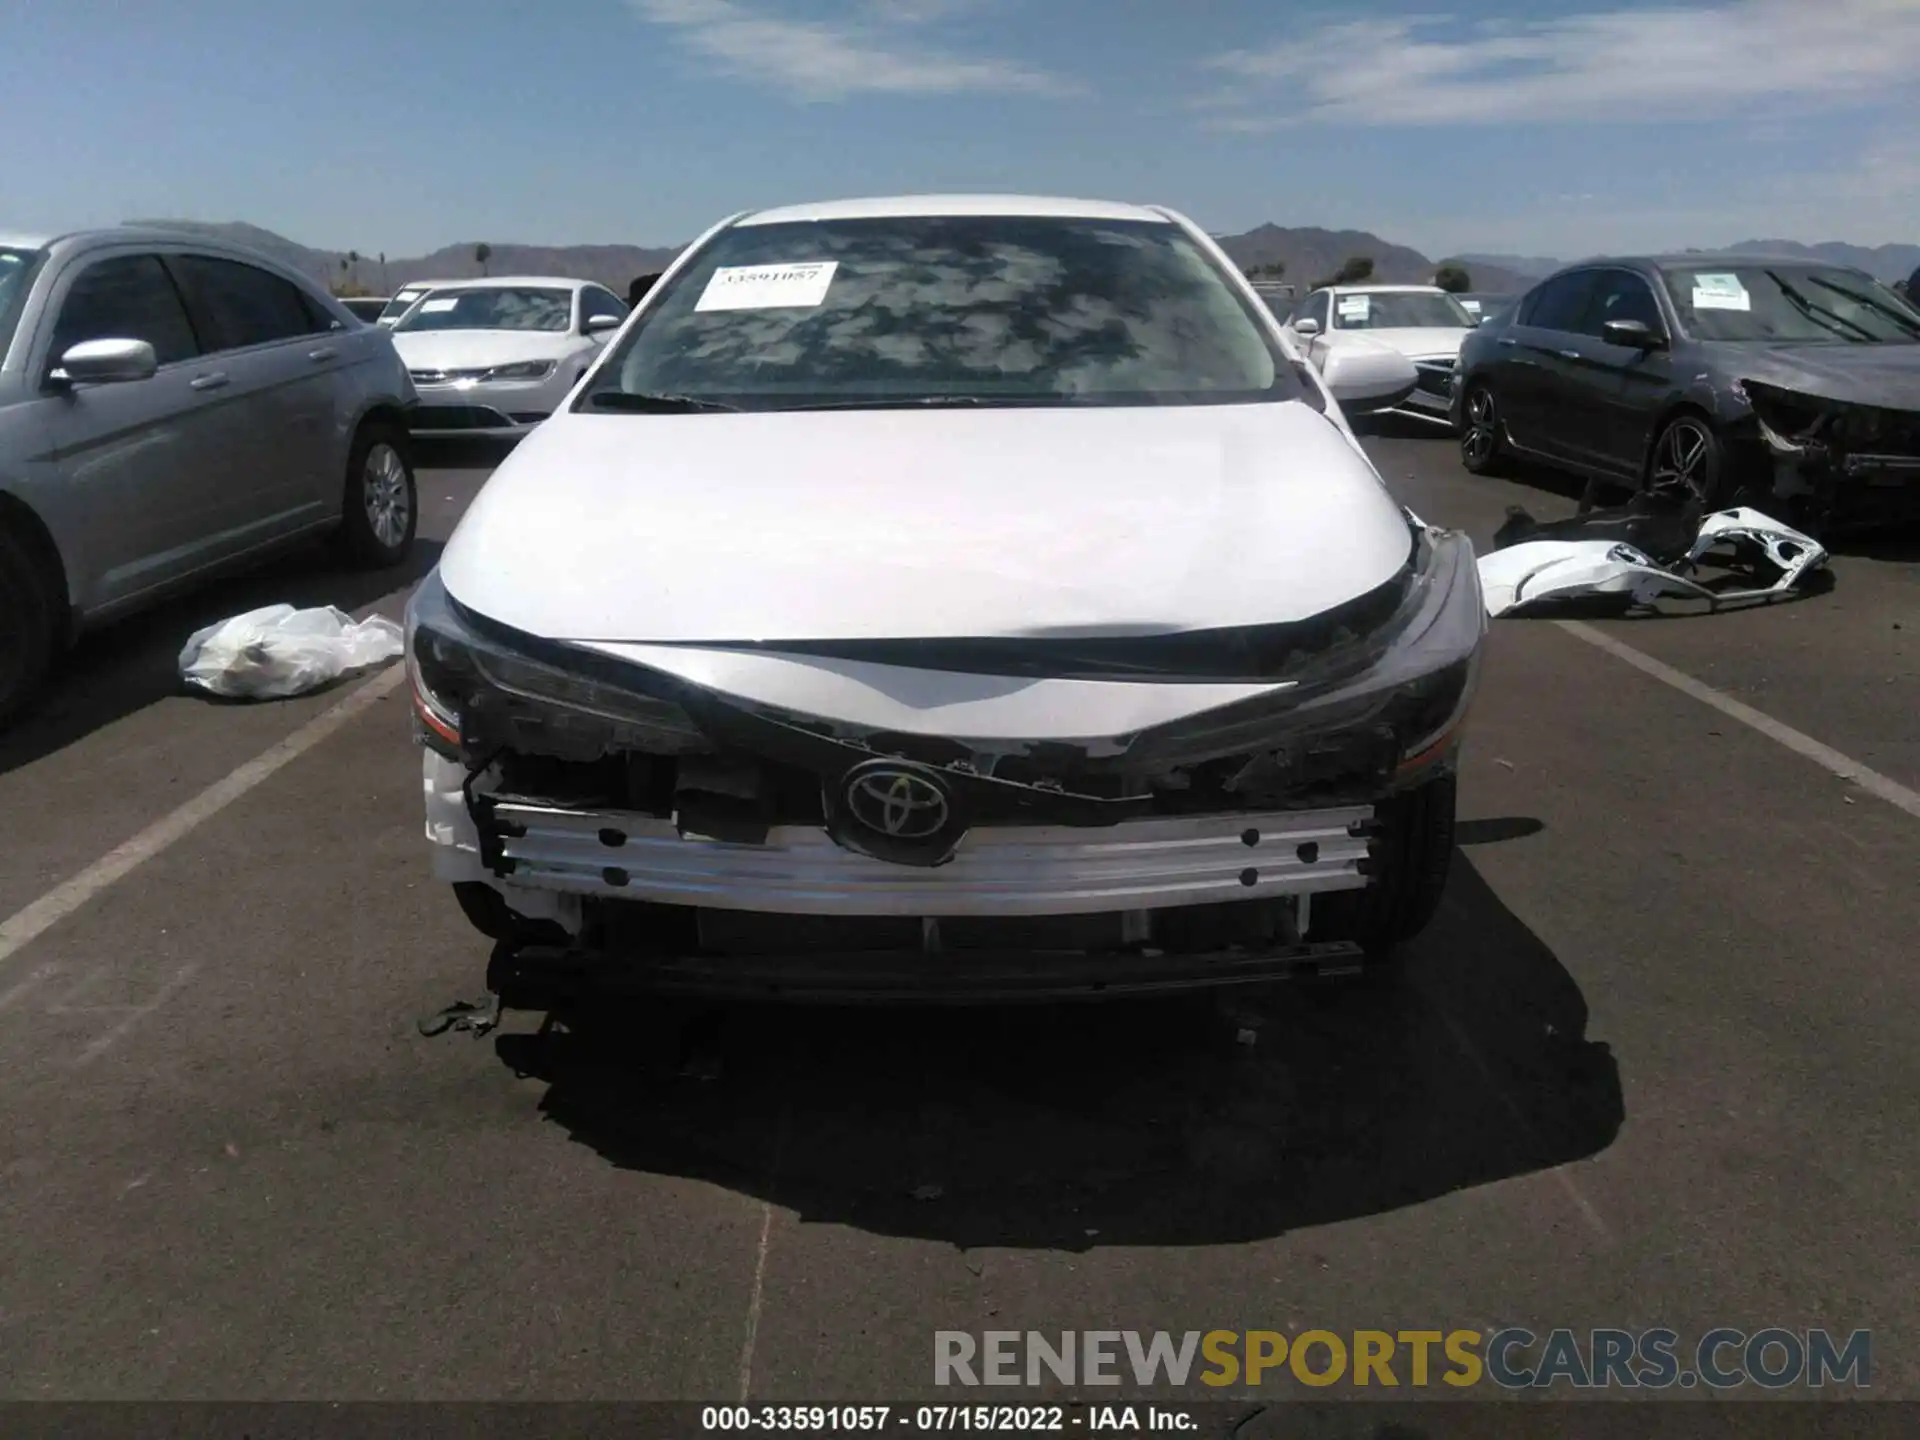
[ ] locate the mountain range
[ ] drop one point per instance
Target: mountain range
(1309, 254)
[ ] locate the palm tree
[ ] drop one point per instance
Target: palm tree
(483, 252)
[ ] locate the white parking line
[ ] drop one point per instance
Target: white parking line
(1825, 756)
(29, 923)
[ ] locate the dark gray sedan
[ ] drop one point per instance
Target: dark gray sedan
(171, 407)
(1789, 385)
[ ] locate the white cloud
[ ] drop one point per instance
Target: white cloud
(1620, 64)
(825, 60)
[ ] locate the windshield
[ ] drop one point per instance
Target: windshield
(400, 304)
(493, 307)
(1399, 310)
(16, 274)
(998, 310)
(1796, 303)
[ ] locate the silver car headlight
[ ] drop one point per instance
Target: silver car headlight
(521, 370)
(472, 691)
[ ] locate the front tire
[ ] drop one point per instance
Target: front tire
(382, 503)
(29, 626)
(1483, 449)
(1412, 855)
(1688, 454)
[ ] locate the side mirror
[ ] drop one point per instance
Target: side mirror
(600, 324)
(1306, 326)
(1366, 381)
(107, 362)
(1634, 334)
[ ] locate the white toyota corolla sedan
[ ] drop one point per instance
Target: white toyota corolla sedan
(1422, 322)
(497, 357)
(952, 597)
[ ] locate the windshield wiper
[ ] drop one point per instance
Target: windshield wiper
(644, 404)
(1819, 313)
(1867, 300)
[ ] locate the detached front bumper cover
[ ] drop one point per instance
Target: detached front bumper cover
(1539, 574)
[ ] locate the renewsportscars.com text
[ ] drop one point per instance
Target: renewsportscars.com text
(1773, 1358)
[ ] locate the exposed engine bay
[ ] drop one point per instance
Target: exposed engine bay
(1828, 460)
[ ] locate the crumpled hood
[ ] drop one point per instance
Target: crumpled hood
(1416, 343)
(468, 349)
(1885, 376)
(843, 525)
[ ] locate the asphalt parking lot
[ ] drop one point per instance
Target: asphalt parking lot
(1658, 1066)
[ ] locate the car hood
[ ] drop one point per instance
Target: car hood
(849, 525)
(1885, 376)
(1417, 343)
(462, 349)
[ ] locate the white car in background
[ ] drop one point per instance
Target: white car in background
(496, 357)
(1421, 322)
(405, 298)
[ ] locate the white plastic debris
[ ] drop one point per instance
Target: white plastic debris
(1537, 573)
(278, 651)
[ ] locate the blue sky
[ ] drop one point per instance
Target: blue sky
(1556, 127)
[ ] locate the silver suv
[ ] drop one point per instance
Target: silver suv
(172, 407)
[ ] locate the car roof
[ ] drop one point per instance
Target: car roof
(23, 240)
(1385, 289)
(1695, 259)
(556, 282)
(81, 242)
(904, 206)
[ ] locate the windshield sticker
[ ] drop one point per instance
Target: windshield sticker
(768, 287)
(439, 307)
(1354, 307)
(1720, 292)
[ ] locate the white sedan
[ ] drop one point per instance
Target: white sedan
(497, 357)
(1421, 322)
(946, 597)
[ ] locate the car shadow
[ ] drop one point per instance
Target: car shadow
(453, 454)
(1198, 1121)
(1392, 426)
(1891, 545)
(127, 666)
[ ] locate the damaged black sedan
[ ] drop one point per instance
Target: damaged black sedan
(1784, 385)
(946, 599)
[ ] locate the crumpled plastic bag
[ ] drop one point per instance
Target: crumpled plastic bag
(278, 651)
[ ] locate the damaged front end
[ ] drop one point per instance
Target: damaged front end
(620, 817)
(1835, 461)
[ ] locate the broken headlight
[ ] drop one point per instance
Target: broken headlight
(1414, 676)
(473, 691)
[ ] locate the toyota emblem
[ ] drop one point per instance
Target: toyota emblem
(899, 803)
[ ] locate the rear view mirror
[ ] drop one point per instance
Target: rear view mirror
(107, 362)
(1304, 326)
(1366, 381)
(600, 324)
